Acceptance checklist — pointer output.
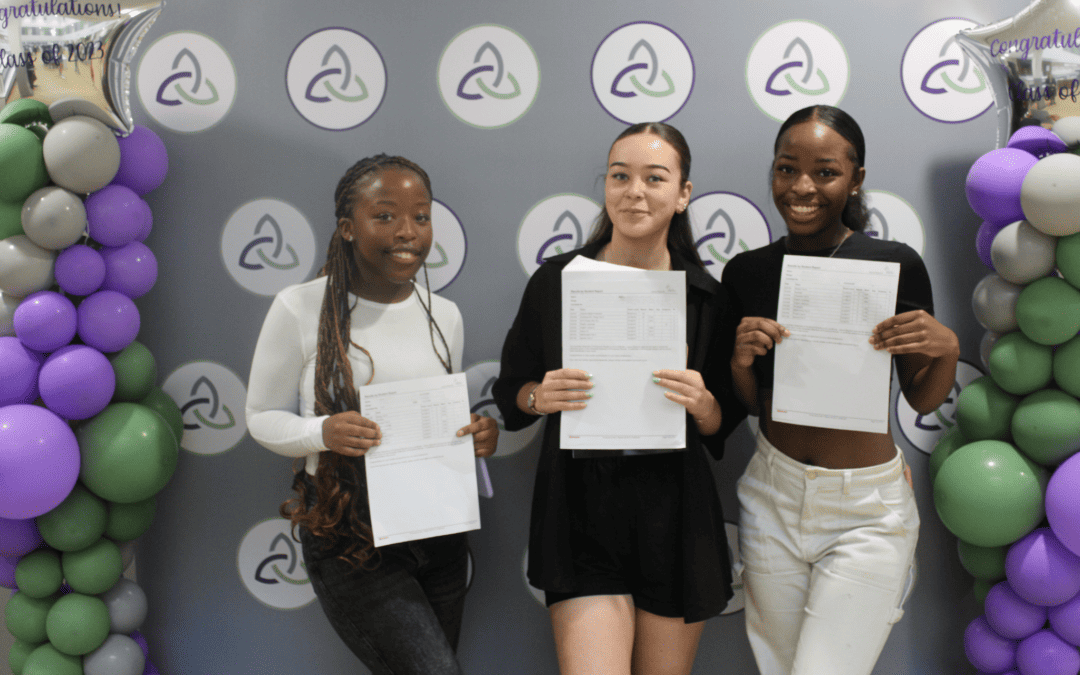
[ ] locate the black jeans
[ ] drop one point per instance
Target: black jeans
(404, 616)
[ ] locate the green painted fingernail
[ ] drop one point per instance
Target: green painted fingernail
(656, 380)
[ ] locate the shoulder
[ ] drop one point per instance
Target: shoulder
(306, 296)
(550, 271)
(870, 248)
(751, 264)
(440, 305)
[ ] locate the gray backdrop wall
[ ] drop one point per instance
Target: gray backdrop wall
(205, 553)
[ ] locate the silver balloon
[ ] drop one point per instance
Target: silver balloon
(1022, 254)
(1068, 130)
(127, 553)
(81, 154)
(25, 267)
(55, 57)
(986, 345)
(8, 304)
(118, 655)
(1050, 195)
(53, 218)
(127, 607)
(994, 304)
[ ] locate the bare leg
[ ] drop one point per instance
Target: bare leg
(663, 645)
(594, 635)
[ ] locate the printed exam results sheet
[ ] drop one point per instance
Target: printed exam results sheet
(620, 325)
(827, 373)
(421, 478)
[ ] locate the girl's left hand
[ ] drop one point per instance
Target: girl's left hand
(688, 390)
(485, 433)
(915, 332)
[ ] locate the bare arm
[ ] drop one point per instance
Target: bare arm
(927, 352)
(754, 337)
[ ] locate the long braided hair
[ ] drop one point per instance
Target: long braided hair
(340, 481)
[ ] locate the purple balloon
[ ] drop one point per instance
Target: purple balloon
(984, 238)
(45, 321)
(140, 640)
(993, 184)
(1010, 615)
(115, 215)
(986, 650)
(18, 537)
(39, 461)
(1044, 653)
(77, 382)
(18, 373)
(131, 269)
(143, 161)
(1063, 503)
(1041, 570)
(108, 321)
(1037, 140)
(79, 270)
(7, 570)
(1065, 620)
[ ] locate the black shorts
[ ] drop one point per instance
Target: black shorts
(626, 530)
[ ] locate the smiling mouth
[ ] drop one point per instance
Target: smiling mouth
(405, 255)
(802, 209)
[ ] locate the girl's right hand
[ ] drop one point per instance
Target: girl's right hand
(558, 391)
(349, 434)
(754, 337)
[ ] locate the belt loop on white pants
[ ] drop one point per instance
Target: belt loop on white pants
(847, 481)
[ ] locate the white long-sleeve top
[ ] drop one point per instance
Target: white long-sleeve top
(281, 387)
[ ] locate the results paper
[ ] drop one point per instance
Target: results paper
(421, 478)
(827, 373)
(620, 326)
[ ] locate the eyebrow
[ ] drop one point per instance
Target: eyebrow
(650, 166)
(784, 155)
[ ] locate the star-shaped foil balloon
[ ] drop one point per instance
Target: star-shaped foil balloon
(73, 55)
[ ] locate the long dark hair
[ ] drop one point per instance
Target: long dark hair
(679, 238)
(340, 482)
(855, 216)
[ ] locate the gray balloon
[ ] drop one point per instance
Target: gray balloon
(1067, 129)
(53, 218)
(989, 339)
(127, 553)
(118, 655)
(81, 154)
(7, 314)
(127, 607)
(25, 267)
(994, 304)
(1022, 254)
(1050, 195)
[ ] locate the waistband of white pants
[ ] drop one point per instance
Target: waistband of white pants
(879, 474)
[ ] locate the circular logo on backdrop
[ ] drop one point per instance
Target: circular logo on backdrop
(923, 431)
(488, 76)
(186, 82)
(211, 399)
(554, 225)
(480, 378)
(893, 219)
(938, 77)
(796, 64)
(267, 245)
(272, 566)
(725, 224)
(447, 255)
(336, 79)
(642, 72)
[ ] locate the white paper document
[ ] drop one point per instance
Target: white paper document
(421, 478)
(620, 325)
(827, 373)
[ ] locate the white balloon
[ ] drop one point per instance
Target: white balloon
(25, 267)
(8, 305)
(1068, 130)
(81, 154)
(127, 606)
(994, 304)
(1050, 195)
(53, 218)
(1022, 254)
(118, 655)
(989, 339)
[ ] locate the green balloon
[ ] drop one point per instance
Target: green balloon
(48, 660)
(22, 164)
(94, 569)
(136, 371)
(983, 410)
(982, 562)
(76, 523)
(10, 220)
(1067, 258)
(1020, 366)
(25, 617)
(161, 403)
(26, 111)
(128, 453)
(129, 521)
(1048, 311)
(1067, 366)
(77, 624)
(980, 589)
(988, 494)
(38, 573)
(949, 443)
(1046, 426)
(20, 651)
